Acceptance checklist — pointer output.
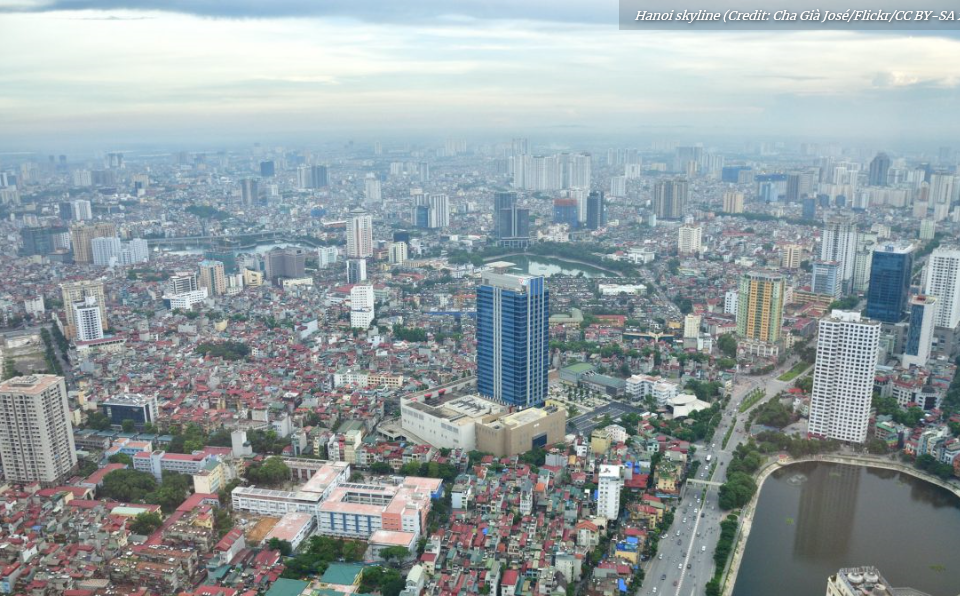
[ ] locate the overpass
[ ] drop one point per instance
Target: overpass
(703, 482)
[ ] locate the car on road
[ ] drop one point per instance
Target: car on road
(684, 520)
(680, 566)
(689, 565)
(703, 549)
(663, 577)
(654, 589)
(660, 556)
(678, 532)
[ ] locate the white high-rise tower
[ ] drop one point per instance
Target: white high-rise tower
(839, 243)
(943, 281)
(608, 491)
(359, 235)
(843, 377)
(36, 438)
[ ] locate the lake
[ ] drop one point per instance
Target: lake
(548, 266)
(815, 518)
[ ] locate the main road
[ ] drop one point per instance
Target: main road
(684, 563)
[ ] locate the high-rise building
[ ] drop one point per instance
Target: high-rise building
(65, 210)
(140, 409)
(839, 243)
(326, 256)
(213, 278)
(863, 260)
(285, 262)
(577, 171)
(75, 291)
(268, 169)
(36, 438)
(618, 186)
(361, 306)
(249, 191)
(356, 271)
(371, 188)
(81, 237)
(397, 253)
(921, 317)
(513, 338)
(791, 256)
(180, 282)
(879, 168)
(691, 326)
(730, 299)
(942, 279)
(843, 377)
(134, 251)
(439, 205)
(809, 208)
(596, 210)
(106, 251)
(608, 491)
(733, 202)
(86, 316)
(421, 216)
(565, 212)
(44, 241)
(760, 306)
(359, 234)
(81, 210)
(941, 194)
(511, 225)
(689, 239)
(825, 278)
(319, 177)
(303, 177)
(890, 273)
(670, 198)
(928, 229)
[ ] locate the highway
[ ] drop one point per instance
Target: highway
(684, 563)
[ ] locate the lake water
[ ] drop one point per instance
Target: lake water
(815, 518)
(547, 267)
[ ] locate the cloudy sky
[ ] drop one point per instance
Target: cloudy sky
(243, 70)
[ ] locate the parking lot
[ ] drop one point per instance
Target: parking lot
(585, 423)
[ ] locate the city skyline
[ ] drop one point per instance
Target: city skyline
(124, 74)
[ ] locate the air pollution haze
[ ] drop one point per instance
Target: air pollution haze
(195, 72)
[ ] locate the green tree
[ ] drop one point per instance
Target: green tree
(127, 485)
(272, 472)
(128, 426)
(285, 548)
(98, 421)
(737, 491)
(146, 523)
(9, 368)
(121, 458)
(381, 468)
(397, 554)
(727, 344)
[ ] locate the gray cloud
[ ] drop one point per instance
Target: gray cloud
(418, 11)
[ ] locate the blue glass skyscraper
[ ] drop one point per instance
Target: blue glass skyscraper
(889, 288)
(513, 338)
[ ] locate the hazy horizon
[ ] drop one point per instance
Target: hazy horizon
(91, 73)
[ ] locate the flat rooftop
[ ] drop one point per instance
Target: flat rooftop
(289, 526)
(458, 408)
(30, 384)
